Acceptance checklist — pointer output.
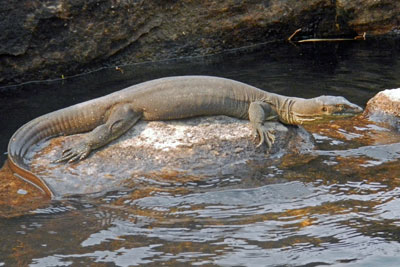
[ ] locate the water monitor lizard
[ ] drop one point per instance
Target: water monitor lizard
(108, 117)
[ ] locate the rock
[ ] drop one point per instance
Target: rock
(17, 197)
(371, 16)
(173, 151)
(385, 107)
(50, 39)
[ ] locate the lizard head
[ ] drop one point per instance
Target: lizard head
(322, 108)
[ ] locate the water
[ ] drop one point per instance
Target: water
(340, 206)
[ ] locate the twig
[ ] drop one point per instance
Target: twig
(119, 69)
(326, 40)
(293, 34)
(358, 37)
(361, 37)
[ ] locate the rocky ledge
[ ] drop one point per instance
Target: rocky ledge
(179, 151)
(385, 107)
(47, 39)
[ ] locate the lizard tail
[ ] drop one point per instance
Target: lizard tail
(64, 121)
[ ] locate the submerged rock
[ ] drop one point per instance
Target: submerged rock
(385, 107)
(178, 151)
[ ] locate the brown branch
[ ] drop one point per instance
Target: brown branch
(361, 37)
(358, 37)
(293, 34)
(326, 40)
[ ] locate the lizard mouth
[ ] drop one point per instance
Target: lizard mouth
(353, 108)
(348, 112)
(343, 114)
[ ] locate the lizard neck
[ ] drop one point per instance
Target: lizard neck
(284, 107)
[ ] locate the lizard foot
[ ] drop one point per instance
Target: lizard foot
(265, 135)
(76, 153)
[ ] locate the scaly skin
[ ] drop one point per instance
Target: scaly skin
(106, 118)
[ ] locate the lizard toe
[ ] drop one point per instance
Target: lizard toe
(261, 136)
(266, 136)
(74, 154)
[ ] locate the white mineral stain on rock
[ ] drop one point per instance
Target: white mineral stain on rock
(393, 94)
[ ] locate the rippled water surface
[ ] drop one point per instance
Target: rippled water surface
(340, 205)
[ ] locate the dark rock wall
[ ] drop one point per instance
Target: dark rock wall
(46, 39)
(371, 16)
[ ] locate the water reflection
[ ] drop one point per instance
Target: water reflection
(337, 206)
(293, 222)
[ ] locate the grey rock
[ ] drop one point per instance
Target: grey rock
(169, 151)
(385, 107)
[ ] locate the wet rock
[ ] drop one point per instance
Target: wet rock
(18, 197)
(171, 151)
(48, 39)
(385, 107)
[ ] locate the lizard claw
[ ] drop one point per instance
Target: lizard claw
(265, 135)
(76, 153)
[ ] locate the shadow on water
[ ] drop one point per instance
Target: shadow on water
(337, 206)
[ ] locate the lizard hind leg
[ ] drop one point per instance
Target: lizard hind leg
(260, 112)
(121, 119)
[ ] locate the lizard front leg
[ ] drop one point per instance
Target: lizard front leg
(121, 119)
(260, 112)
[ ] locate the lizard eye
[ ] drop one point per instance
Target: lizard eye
(324, 109)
